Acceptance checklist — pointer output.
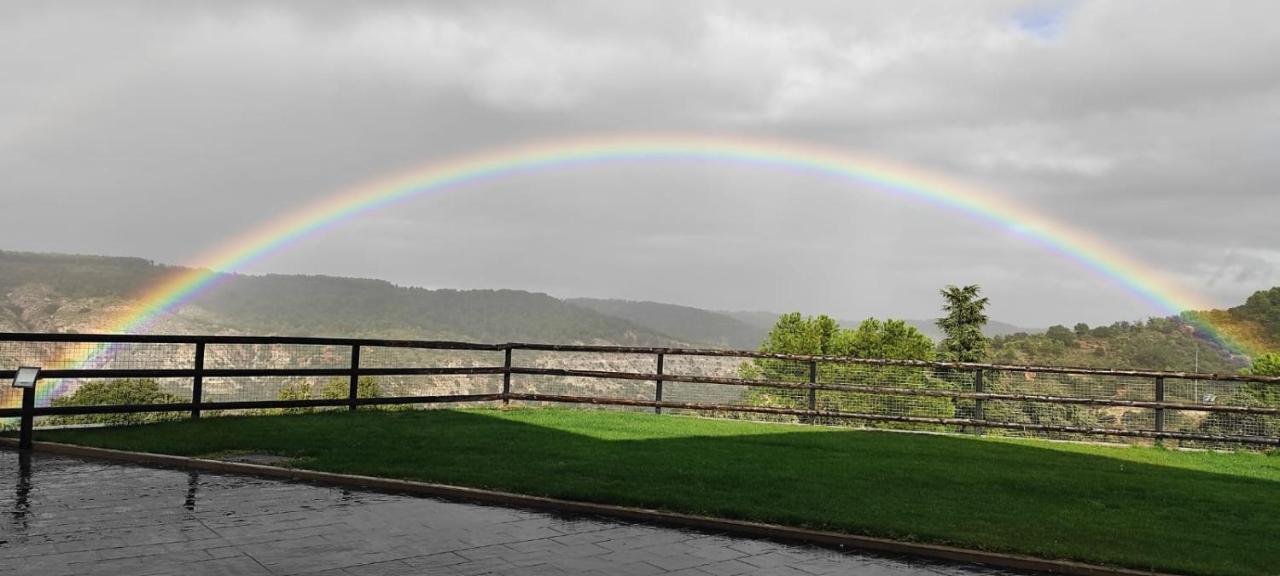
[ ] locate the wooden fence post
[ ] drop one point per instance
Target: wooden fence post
(657, 393)
(813, 391)
(1159, 411)
(353, 385)
(506, 376)
(979, 387)
(197, 382)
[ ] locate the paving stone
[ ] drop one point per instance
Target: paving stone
(71, 517)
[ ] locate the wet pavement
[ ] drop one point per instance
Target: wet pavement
(64, 516)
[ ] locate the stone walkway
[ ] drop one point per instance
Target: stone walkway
(63, 516)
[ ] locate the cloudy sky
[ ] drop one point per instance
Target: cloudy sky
(162, 129)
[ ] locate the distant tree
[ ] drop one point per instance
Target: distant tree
(1081, 329)
(293, 391)
(893, 339)
(795, 334)
(1061, 334)
(966, 316)
(366, 387)
(1103, 331)
(820, 335)
(334, 389)
(132, 391)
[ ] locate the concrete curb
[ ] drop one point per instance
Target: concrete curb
(739, 527)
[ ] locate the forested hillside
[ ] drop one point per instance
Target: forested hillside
(49, 292)
(46, 292)
(1172, 343)
(1157, 344)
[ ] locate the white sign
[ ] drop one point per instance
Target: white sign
(26, 377)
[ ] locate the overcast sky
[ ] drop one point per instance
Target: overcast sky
(161, 129)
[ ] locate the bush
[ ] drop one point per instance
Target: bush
(130, 391)
(334, 389)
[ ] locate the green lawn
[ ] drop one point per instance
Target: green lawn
(1203, 513)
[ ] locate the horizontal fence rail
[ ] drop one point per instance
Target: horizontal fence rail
(238, 373)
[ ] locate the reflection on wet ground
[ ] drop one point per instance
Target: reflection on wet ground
(66, 516)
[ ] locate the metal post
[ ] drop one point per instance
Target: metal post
(977, 403)
(813, 392)
(506, 377)
(197, 382)
(27, 421)
(1159, 411)
(353, 386)
(657, 394)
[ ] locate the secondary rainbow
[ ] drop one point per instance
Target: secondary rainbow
(560, 154)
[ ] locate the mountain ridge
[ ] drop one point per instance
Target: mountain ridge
(79, 293)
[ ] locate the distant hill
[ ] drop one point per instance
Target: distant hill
(1155, 344)
(53, 292)
(69, 293)
(682, 322)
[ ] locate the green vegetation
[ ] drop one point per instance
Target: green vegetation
(1160, 343)
(1266, 365)
(52, 292)
(1157, 344)
(962, 325)
(333, 389)
(794, 334)
(130, 391)
(1262, 308)
(1252, 394)
(1146, 508)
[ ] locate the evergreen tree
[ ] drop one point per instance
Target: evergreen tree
(966, 316)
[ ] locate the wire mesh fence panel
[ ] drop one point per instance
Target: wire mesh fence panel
(793, 372)
(452, 385)
(266, 388)
(1217, 392)
(100, 356)
(1067, 413)
(277, 356)
(713, 366)
(594, 361)
(675, 366)
(603, 389)
(393, 357)
(925, 394)
(581, 386)
(87, 356)
(1225, 394)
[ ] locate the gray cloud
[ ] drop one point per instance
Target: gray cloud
(160, 130)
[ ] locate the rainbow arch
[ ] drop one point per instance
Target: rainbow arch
(1074, 244)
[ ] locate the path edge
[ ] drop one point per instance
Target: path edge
(738, 527)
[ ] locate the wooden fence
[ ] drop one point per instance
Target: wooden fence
(1210, 410)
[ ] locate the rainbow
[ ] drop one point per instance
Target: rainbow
(911, 182)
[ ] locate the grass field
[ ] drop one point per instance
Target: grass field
(1202, 513)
